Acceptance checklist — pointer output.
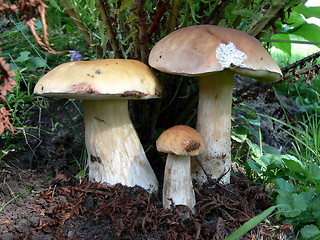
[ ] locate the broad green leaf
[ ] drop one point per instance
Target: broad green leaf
(293, 164)
(295, 19)
(284, 186)
(308, 31)
(37, 62)
(314, 170)
(283, 46)
(310, 232)
(254, 166)
(314, 206)
(271, 150)
(291, 204)
(304, 218)
(269, 159)
(309, 12)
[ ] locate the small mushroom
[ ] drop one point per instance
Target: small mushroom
(214, 54)
(180, 142)
(115, 154)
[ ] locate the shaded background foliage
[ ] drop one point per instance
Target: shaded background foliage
(129, 29)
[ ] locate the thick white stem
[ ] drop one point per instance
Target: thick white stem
(177, 183)
(115, 154)
(214, 124)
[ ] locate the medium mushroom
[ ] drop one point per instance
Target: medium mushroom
(214, 54)
(115, 154)
(180, 142)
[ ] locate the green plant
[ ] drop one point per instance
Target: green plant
(298, 196)
(22, 194)
(29, 63)
(250, 224)
(294, 178)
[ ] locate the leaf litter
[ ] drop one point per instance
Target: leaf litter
(123, 212)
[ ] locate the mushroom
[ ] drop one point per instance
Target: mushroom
(115, 154)
(180, 142)
(214, 54)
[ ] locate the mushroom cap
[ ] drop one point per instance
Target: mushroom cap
(181, 140)
(100, 79)
(204, 49)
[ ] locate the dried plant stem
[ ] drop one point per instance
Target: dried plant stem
(217, 13)
(307, 70)
(172, 22)
(142, 15)
(110, 32)
(238, 19)
(271, 13)
(301, 62)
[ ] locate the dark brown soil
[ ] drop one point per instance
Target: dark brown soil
(63, 208)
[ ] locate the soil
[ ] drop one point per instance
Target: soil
(41, 199)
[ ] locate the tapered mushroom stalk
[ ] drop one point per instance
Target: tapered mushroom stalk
(115, 154)
(180, 142)
(213, 54)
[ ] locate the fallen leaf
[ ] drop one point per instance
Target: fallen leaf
(7, 223)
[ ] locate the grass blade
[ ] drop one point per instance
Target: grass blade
(250, 224)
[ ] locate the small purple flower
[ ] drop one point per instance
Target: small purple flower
(75, 56)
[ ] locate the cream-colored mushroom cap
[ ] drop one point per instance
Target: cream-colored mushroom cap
(204, 49)
(100, 79)
(181, 140)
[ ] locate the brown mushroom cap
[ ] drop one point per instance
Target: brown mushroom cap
(204, 49)
(100, 79)
(181, 140)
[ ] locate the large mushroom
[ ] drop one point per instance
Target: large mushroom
(115, 154)
(180, 142)
(214, 54)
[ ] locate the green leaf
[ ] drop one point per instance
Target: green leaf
(314, 206)
(240, 134)
(317, 190)
(310, 232)
(250, 224)
(284, 186)
(54, 4)
(295, 19)
(293, 164)
(283, 46)
(271, 150)
(309, 12)
(248, 13)
(269, 159)
(314, 170)
(291, 204)
(37, 62)
(255, 122)
(254, 166)
(308, 31)
(24, 56)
